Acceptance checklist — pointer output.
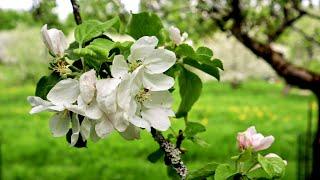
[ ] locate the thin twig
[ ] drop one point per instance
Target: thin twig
(76, 12)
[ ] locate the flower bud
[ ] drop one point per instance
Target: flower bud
(55, 40)
(251, 139)
(174, 34)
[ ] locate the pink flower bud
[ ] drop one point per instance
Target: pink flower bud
(251, 139)
(175, 35)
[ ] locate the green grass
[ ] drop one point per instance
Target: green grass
(30, 152)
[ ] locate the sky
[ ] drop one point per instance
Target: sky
(63, 6)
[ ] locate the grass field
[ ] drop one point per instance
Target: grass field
(30, 152)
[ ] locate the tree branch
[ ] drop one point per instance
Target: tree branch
(294, 75)
(76, 11)
(305, 35)
(286, 23)
(172, 154)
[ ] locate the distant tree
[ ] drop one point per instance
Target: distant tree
(257, 25)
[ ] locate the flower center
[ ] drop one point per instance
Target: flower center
(134, 65)
(62, 67)
(143, 95)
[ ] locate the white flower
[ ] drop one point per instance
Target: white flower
(251, 139)
(70, 95)
(55, 40)
(144, 108)
(175, 35)
(148, 63)
(61, 100)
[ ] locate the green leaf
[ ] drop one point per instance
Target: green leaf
(155, 156)
(206, 171)
(223, 172)
(93, 28)
(193, 128)
(273, 166)
(185, 50)
(218, 63)
(199, 141)
(211, 70)
(98, 48)
(204, 51)
(45, 84)
(200, 59)
(145, 24)
(190, 87)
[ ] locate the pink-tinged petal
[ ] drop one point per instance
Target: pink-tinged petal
(87, 83)
(264, 143)
(174, 34)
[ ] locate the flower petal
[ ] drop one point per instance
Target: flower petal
(54, 39)
(145, 41)
(159, 99)
(39, 105)
(174, 34)
(131, 133)
(118, 121)
(139, 122)
(93, 111)
(158, 118)
(159, 61)
(104, 127)
(85, 128)
(106, 94)
(87, 83)
(264, 143)
(157, 82)
(64, 92)
(59, 124)
(75, 124)
(142, 48)
(119, 67)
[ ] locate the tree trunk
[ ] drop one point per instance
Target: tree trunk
(315, 174)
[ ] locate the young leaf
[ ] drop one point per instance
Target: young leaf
(218, 63)
(193, 128)
(155, 156)
(190, 89)
(204, 51)
(204, 172)
(211, 70)
(45, 84)
(145, 24)
(223, 172)
(93, 28)
(98, 48)
(273, 166)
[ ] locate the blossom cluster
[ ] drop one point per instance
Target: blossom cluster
(135, 97)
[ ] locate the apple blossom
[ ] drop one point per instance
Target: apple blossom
(150, 61)
(55, 40)
(61, 99)
(251, 139)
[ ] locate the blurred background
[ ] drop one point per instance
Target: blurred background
(250, 91)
